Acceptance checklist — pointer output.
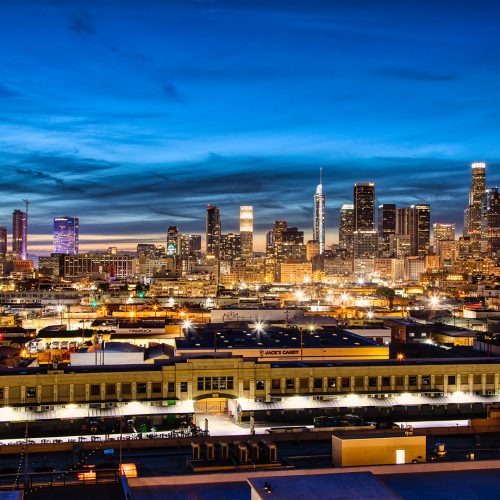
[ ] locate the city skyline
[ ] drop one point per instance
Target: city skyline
(43, 244)
(240, 105)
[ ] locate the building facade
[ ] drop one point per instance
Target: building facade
(66, 235)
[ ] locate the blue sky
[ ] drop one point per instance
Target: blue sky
(135, 115)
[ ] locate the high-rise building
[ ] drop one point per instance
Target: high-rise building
(364, 206)
(3, 242)
(230, 247)
(421, 229)
(386, 221)
(312, 250)
(279, 227)
(472, 219)
(319, 215)
(20, 234)
(173, 241)
(66, 235)
(365, 244)
(415, 221)
(246, 231)
(346, 228)
(442, 232)
(213, 231)
(490, 218)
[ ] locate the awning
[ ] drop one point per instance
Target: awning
(355, 401)
(71, 411)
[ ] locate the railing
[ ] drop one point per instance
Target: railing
(33, 480)
(174, 434)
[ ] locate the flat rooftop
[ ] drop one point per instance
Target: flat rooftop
(246, 337)
(359, 485)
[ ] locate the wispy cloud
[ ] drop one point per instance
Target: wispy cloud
(82, 23)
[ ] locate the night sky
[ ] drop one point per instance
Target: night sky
(135, 115)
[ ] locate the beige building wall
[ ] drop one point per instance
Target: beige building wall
(377, 450)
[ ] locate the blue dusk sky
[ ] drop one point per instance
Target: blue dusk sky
(134, 115)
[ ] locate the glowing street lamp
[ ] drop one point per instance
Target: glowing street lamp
(434, 301)
(187, 324)
(260, 327)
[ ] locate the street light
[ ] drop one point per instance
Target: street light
(260, 327)
(60, 309)
(434, 301)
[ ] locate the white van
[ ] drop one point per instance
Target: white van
(36, 345)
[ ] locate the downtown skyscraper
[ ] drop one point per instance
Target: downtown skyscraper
(319, 215)
(66, 235)
(365, 241)
(213, 231)
(472, 214)
(246, 231)
(20, 234)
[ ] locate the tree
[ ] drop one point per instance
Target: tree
(387, 293)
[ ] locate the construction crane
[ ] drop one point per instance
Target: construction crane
(26, 203)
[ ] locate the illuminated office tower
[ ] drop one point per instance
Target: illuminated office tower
(66, 235)
(20, 234)
(3, 242)
(442, 232)
(319, 215)
(173, 241)
(275, 240)
(490, 218)
(415, 222)
(420, 229)
(364, 206)
(472, 218)
(246, 231)
(386, 221)
(346, 228)
(230, 247)
(213, 231)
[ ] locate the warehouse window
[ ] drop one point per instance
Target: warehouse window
(31, 392)
(332, 383)
(95, 390)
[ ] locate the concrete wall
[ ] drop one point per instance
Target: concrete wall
(376, 450)
(224, 315)
(106, 358)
